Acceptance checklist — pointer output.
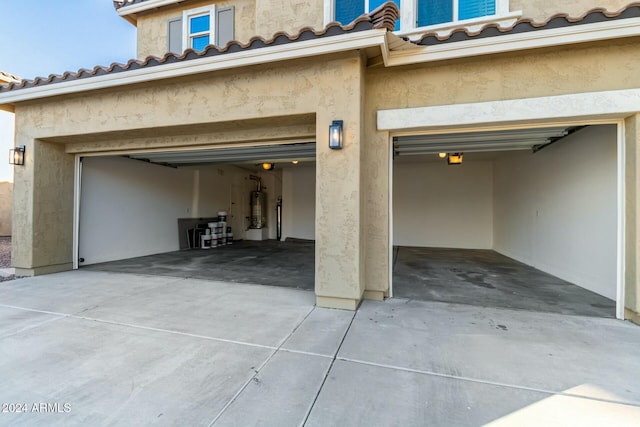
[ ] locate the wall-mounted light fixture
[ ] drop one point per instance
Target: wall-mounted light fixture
(335, 135)
(442, 155)
(16, 156)
(454, 159)
(267, 166)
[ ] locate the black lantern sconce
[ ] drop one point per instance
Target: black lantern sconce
(16, 155)
(336, 135)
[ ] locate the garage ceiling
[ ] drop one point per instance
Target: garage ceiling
(507, 140)
(250, 154)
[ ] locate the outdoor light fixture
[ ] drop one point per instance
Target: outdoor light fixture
(335, 135)
(295, 162)
(267, 166)
(442, 155)
(16, 156)
(455, 159)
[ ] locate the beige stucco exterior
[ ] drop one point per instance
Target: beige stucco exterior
(541, 10)
(296, 100)
(6, 207)
(264, 18)
(152, 25)
(632, 202)
(329, 89)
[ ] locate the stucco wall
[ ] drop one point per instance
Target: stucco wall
(330, 88)
(267, 17)
(290, 16)
(298, 202)
(541, 10)
(632, 211)
(437, 205)
(152, 25)
(557, 209)
(6, 207)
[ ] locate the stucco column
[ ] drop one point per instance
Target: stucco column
(632, 223)
(42, 209)
(340, 248)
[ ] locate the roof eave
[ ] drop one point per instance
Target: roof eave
(586, 33)
(321, 46)
(130, 12)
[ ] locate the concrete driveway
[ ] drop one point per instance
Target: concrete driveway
(98, 348)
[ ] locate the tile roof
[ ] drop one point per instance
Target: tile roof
(122, 3)
(528, 25)
(384, 17)
(6, 77)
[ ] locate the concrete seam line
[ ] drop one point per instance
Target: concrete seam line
(326, 374)
(35, 310)
(306, 353)
(27, 328)
(486, 382)
(257, 371)
(168, 331)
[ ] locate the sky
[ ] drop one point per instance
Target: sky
(42, 37)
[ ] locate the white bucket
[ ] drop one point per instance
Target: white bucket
(205, 242)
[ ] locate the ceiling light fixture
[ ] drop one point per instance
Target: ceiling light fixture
(454, 159)
(442, 155)
(267, 166)
(295, 162)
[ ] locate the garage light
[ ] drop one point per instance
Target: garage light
(442, 155)
(455, 159)
(335, 135)
(267, 166)
(16, 155)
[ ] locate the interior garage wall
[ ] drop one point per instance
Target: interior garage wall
(299, 202)
(437, 205)
(129, 208)
(557, 210)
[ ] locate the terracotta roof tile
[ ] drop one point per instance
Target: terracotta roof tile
(384, 16)
(6, 77)
(122, 3)
(527, 25)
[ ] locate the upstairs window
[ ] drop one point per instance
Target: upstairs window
(346, 11)
(415, 14)
(198, 28)
(432, 12)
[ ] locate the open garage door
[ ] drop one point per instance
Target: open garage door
(521, 218)
(151, 212)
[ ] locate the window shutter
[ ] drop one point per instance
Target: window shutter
(224, 26)
(174, 36)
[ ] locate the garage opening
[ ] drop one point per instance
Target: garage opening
(527, 220)
(241, 214)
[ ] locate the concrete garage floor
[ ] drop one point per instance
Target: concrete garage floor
(475, 277)
(488, 279)
(270, 262)
(124, 349)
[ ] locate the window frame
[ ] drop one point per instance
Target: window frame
(187, 15)
(409, 16)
